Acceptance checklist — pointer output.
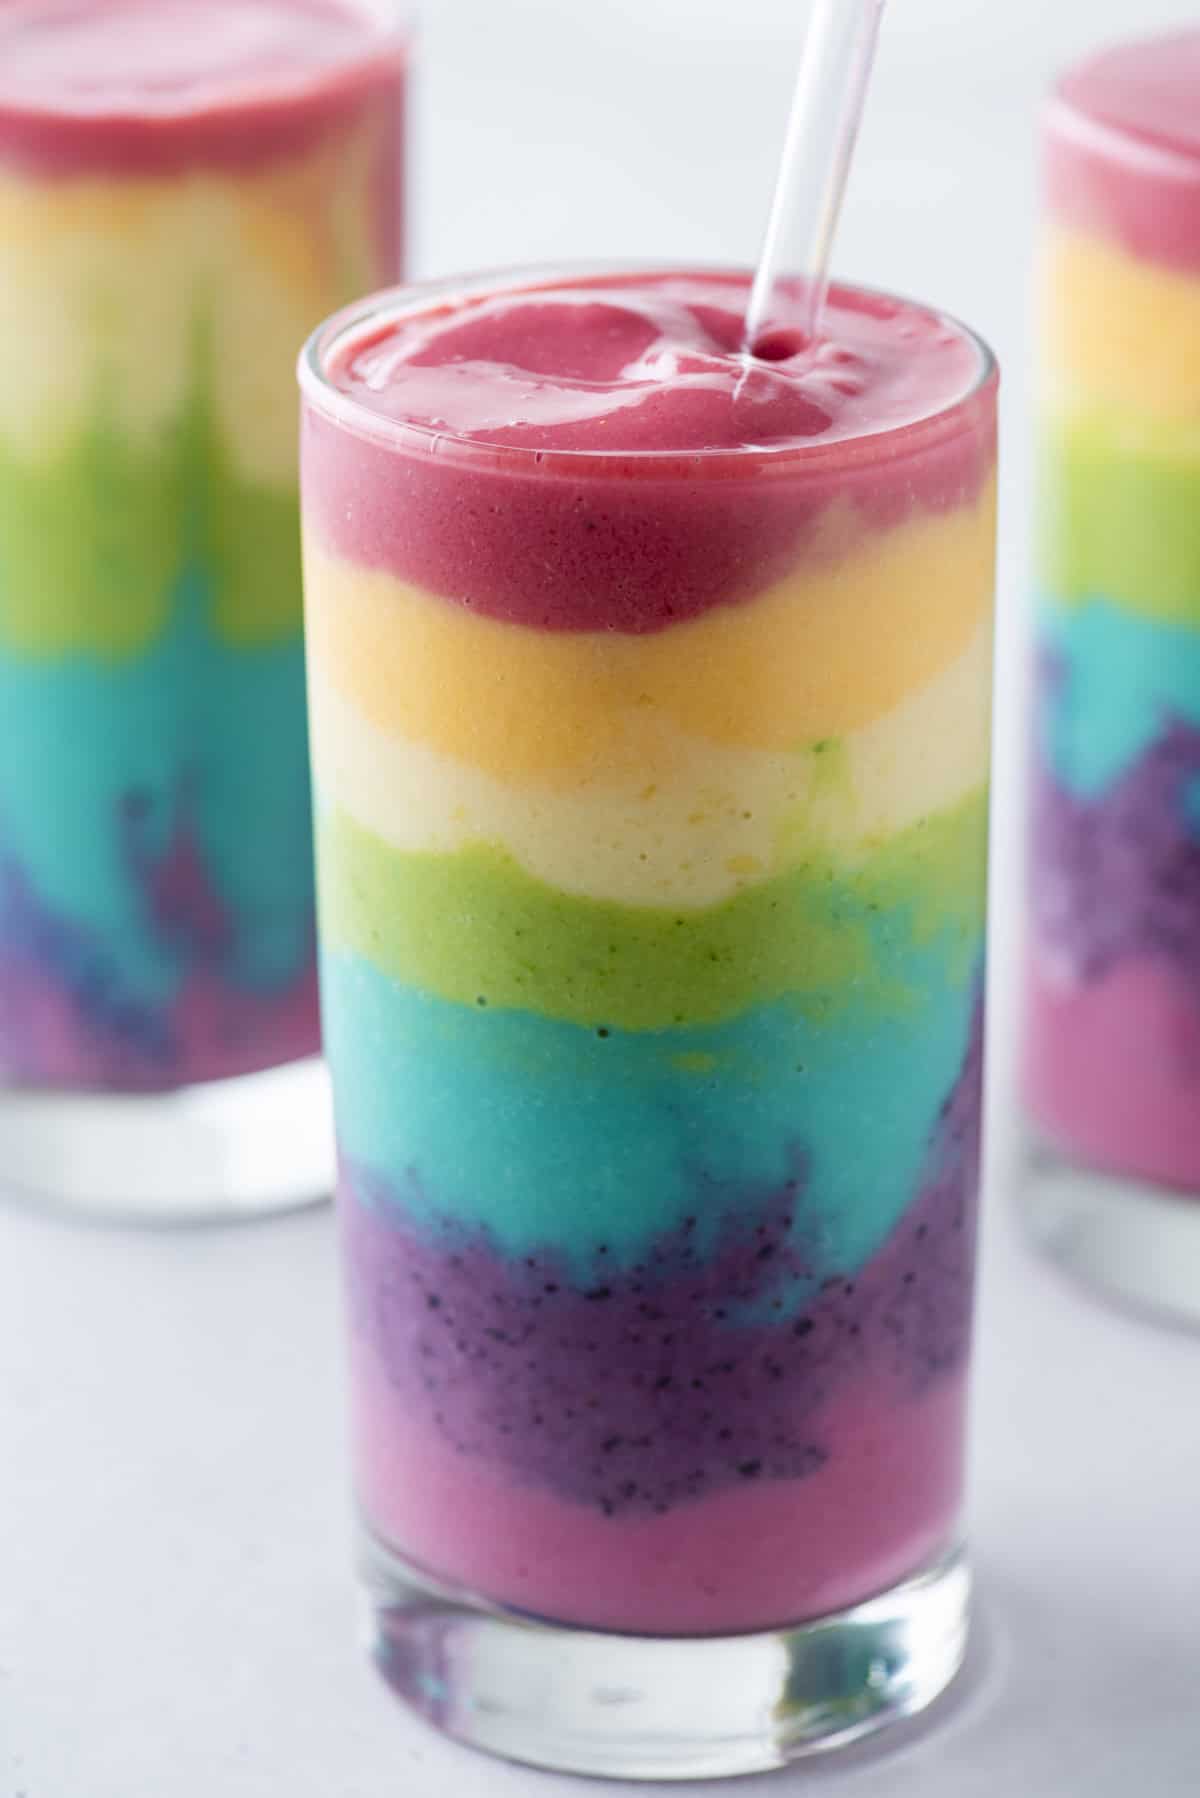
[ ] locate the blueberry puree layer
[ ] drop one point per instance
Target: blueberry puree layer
(710, 1363)
(1117, 874)
(166, 1001)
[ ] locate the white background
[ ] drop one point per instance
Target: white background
(176, 1612)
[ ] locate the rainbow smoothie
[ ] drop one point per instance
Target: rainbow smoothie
(650, 713)
(1112, 1071)
(186, 188)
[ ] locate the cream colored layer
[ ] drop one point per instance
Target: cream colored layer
(722, 819)
(839, 644)
(110, 289)
(1122, 332)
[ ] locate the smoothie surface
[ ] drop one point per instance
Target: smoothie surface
(151, 89)
(645, 363)
(105, 57)
(1122, 163)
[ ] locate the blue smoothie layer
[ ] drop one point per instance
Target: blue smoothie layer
(99, 756)
(1120, 679)
(496, 1118)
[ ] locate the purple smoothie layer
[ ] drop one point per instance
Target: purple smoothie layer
(1117, 877)
(597, 454)
(710, 1364)
(70, 1014)
(152, 87)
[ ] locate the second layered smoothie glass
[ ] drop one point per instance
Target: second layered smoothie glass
(650, 703)
(186, 188)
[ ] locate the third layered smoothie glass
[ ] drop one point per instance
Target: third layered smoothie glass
(650, 698)
(1112, 1051)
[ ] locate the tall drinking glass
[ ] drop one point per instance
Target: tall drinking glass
(649, 695)
(186, 188)
(1112, 1051)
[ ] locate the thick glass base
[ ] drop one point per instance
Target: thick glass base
(205, 1154)
(1131, 1241)
(664, 1708)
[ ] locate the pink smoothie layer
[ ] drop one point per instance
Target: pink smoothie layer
(596, 453)
(148, 87)
(220, 1032)
(1113, 1071)
(747, 1558)
(1123, 148)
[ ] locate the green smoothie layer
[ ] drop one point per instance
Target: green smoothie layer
(475, 928)
(1120, 514)
(93, 544)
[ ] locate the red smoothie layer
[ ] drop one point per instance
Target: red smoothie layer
(595, 453)
(1123, 148)
(150, 87)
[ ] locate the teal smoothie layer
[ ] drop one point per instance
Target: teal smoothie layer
(189, 719)
(545, 1133)
(1122, 677)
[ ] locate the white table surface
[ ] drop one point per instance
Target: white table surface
(177, 1618)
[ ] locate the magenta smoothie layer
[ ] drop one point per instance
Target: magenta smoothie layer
(650, 711)
(186, 188)
(651, 524)
(887, 1501)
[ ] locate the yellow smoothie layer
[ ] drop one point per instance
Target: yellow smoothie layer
(825, 653)
(717, 819)
(1122, 331)
(109, 285)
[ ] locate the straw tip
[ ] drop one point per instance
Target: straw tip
(779, 343)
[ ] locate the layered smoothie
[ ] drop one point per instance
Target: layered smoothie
(1112, 1071)
(186, 187)
(650, 705)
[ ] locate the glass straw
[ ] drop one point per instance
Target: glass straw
(831, 90)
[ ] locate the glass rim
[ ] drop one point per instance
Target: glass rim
(1070, 123)
(1071, 119)
(367, 315)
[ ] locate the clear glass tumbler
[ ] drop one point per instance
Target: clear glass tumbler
(650, 697)
(185, 190)
(1112, 1042)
